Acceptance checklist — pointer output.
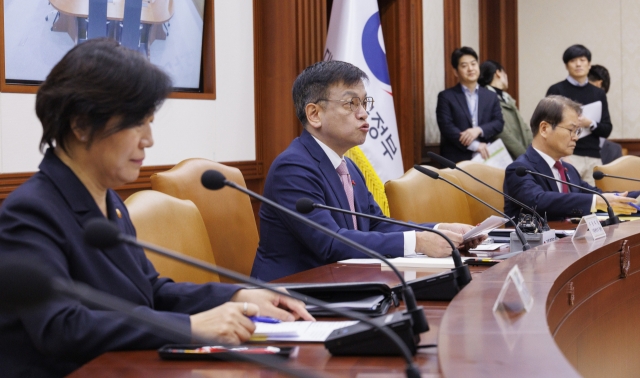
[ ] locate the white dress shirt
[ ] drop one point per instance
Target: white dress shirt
(409, 236)
(551, 161)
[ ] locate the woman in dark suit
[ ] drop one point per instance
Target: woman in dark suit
(96, 108)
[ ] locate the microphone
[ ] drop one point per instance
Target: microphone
(27, 283)
(101, 233)
(430, 288)
(449, 164)
(522, 171)
(215, 180)
(435, 175)
(598, 175)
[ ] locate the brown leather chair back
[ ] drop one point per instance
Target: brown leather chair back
(227, 213)
(492, 176)
(174, 224)
(418, 198)
(626, 166)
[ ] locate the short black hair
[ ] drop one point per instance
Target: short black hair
(459, 53)
(94, 82)
(598, 72)
(488, 70)
(314, 82)
(551, 110)
(576, 51)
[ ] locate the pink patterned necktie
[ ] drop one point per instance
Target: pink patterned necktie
(348, 188)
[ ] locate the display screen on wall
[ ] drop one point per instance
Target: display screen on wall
(37, 34)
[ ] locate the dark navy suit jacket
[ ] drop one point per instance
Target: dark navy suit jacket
(43, 220)
(543, 194)
(453, 116)
(287, 246)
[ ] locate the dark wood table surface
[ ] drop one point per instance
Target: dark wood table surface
(472, 340)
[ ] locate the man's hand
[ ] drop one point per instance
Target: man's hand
(273, 305)
(484, 150)
(584, 121)
(225, 323)
(461, 228)
(434, 245)
(469, 135)
(619, 203)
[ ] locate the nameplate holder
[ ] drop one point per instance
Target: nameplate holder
(589, 226)
(526, 300)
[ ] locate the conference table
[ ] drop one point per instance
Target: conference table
(586, 297)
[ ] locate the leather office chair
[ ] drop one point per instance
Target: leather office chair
(174, 224)
(227, 213)
(418, 198)
(626, 166)
(492, 176)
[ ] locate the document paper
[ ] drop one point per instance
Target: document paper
(301, 331)
(593, 111)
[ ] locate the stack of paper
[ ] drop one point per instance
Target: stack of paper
(301, 331)
(419, 261)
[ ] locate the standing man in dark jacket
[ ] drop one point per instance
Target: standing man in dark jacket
(469, 116)
(576, 86)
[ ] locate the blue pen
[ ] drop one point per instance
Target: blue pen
(263, 319)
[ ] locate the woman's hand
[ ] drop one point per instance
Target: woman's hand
(273, 305)
(227, 323)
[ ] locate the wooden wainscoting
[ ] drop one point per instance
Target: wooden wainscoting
(251, 170)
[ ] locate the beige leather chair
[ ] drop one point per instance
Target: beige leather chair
(492, 176)
(174, 224)
(227, 213)
(626, 166)
(419, 198)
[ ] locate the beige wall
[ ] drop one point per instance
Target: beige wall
(609, 28)
(221, 129)
(469, 24)
(434, 64)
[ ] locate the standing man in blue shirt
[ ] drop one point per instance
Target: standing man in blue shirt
(468, 115)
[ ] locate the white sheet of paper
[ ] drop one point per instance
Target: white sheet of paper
(498, 155)
(419, 261)
(485, 227)
(488, 247)
(301, 331)
(593, 111)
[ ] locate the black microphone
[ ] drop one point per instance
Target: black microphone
(215, 180)
(27, 282)
(598, 175)
(449, 164)
(435, 175)
(522, 171)
(428, 288)
(101, 233)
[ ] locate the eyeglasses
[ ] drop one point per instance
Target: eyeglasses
(573, 132)
(355, 102)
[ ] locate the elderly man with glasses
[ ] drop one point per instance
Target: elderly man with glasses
(332, 104)
(556, 129)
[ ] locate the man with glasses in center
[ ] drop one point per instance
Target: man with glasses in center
(331, 103)
(556, 128)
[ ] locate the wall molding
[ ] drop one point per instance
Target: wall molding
(452, 38)
(499, 37)
(251, 170)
